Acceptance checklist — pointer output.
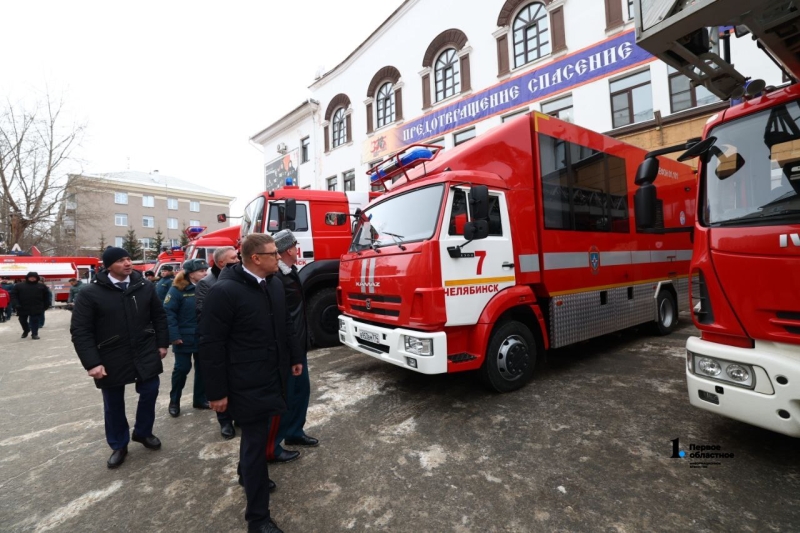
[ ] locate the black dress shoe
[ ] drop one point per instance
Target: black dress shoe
(151, 442)
(174, 409)
(285, 456)
(227, 431)
(269, 527)
(117, 458)
(203, 405)
(305, 440)
(35, 337)
(271, 484)
(24, 334)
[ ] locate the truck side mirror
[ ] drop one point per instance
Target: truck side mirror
(290, 209)
(645, 206)
(335, 219)
(647, 171)
(222, 217)
(479, 203)
(476, 230)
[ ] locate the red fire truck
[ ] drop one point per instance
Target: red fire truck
(203, 247)
(320, 221)
(171, 256)
(746, 301)
(519, 241)
(55, 271)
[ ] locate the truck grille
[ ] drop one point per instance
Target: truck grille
(375, 304)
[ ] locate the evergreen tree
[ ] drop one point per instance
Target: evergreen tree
(131, 244)
(158, 242)
(102, 244)
(184, 239)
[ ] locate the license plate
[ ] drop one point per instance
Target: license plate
(371, 337)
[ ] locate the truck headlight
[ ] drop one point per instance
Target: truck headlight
(419, 346)
(708, 366)
(737, 373)
(721, 370)
(341, 325)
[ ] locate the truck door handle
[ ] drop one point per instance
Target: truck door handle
(508, 265)
(307, 255)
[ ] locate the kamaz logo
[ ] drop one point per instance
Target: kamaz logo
(785, 239)
(368, 284)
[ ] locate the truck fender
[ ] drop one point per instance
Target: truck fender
(506, 301)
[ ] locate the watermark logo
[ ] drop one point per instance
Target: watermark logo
(700, 455)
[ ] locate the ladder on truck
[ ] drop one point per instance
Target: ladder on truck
(682, 33)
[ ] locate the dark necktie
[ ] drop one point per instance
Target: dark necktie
(263, 285)
(122, 285)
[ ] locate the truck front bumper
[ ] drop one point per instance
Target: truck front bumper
(388, 344)
(774, 401)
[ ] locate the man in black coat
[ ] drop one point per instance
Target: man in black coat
(119, 330)
(247, 349)
(31, 300)
(223, 256)
(289, 425)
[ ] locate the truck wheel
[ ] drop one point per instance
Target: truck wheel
(510, 357)
(667, 313)
(323, 318)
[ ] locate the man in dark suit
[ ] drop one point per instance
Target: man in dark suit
(119, 330)
(247, 350)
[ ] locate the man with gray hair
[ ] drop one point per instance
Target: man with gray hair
(224, 256)
(247, 351)
(289, 425)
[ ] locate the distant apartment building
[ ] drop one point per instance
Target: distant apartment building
(102, 208)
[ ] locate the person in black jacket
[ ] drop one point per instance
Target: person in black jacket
(182, 321)
(119, 330)
(298, 392)
(31, 300)
(163, 285)
(247, 349)
(223, 257)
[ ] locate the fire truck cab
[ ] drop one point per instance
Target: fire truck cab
(321, 222)
(746, 262)
(522, 240)
(204, 246)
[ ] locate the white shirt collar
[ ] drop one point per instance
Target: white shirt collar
(259, 279)
(115, 280)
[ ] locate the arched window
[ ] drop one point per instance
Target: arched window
(531, 34)
(447, 74)
(339, 128)
(385, 104)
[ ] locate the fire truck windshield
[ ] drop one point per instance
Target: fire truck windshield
(408, 217)
(752, 172)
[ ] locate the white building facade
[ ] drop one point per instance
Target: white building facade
(445, 71)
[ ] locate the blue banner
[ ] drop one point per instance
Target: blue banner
(582, 67)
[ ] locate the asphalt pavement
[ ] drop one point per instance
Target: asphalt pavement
(586, 446)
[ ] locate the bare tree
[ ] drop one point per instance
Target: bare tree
(34, 146)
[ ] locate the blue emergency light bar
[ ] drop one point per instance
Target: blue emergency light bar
(401, 162)
(194, 230)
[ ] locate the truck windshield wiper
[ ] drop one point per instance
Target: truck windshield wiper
(398, 239)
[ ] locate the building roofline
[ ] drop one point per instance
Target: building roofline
(390, 20)
(296, 113)
(104, 179)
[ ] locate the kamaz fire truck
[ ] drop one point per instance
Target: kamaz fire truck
(746, 260)
(320, 220)
(522, 240)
